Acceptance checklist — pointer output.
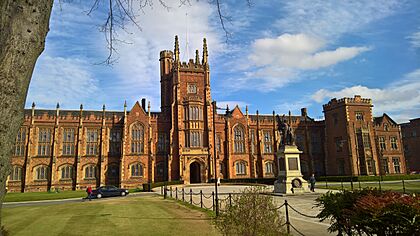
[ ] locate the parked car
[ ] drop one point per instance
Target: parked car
(109, 191)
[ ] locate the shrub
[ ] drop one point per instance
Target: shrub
(269, 181)
(389, 214)
(250, 213)
(158, 184)
(366, 178)
(371, 212)
(3, 231)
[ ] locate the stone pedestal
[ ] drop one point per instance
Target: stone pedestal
(289, 179)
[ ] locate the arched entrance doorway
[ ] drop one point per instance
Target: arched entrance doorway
(195, 172)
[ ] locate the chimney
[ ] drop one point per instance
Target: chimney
(143, 104)
(304, 112)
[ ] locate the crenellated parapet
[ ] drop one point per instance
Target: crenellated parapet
(356, 100)
(73, 115)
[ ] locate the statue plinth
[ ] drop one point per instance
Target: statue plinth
(289, 179)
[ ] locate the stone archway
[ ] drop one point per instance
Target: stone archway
(195, 172)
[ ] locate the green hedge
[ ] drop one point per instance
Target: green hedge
(367, 178)
(158, 184)
(248, 180)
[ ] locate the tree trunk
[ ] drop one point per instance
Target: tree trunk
(23, 28)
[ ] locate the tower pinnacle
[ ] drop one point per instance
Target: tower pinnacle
(197, 58)
(205, 53)
(176, 49)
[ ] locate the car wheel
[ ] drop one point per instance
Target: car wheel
(99, 195)
(123, 194)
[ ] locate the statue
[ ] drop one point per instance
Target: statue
(286, 131)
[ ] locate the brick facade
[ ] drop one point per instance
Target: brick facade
(411, 140)
(71, 149)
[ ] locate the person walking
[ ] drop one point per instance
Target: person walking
(312, 181)
(89, 192)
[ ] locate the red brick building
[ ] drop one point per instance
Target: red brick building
(358, 143)
(411, 140)
(71, 149)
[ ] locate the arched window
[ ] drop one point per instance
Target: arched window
(68, 141)
(239, 139)
(268, 147)
(67, 172)
(92, 142)
(41, 173)
(20, 142)
(137, 136)
(269, 167)
(240, 168)
(44, 142)
(16, 174)
(137, 170)
(90, 172)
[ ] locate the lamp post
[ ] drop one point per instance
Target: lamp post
(215, 108)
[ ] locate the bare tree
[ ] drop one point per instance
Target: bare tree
(24, 25)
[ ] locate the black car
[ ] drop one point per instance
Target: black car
(109, 191)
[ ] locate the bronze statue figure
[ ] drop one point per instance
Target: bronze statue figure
(286, 131)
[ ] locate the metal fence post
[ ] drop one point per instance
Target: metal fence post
(183, 193)
(191, 196)
(380, 187)
(171, 191)
(326, 182)
(201, 198)
(176, 193)
(287, 216)
(342, 187)
(360, 186)
(212, 194)
(161, 190)
(230, 199)
(351, 182)
(403, 186)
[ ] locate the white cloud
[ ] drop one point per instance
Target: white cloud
(64, 80)
(414, 39)
(75, 43)
(138, 64)
(299, 51)
(330, 19)
(308, 36)
(401, 99)
(276, 62)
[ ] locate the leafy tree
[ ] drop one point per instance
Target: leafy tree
(250, 213)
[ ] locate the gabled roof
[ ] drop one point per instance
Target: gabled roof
(236, 112)
(379, 120)
(137, 108)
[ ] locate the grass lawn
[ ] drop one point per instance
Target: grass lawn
(35, 196)
(410, 187)
(145, 215)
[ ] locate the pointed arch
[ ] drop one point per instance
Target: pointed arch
(239, 139)
(137, 138)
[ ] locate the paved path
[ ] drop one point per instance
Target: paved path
(302, 202)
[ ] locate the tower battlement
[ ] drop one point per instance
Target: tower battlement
(356, 100)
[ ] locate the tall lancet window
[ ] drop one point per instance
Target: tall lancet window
(137, 139)
(239, 140)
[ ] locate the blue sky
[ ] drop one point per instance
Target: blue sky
(281, 56)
